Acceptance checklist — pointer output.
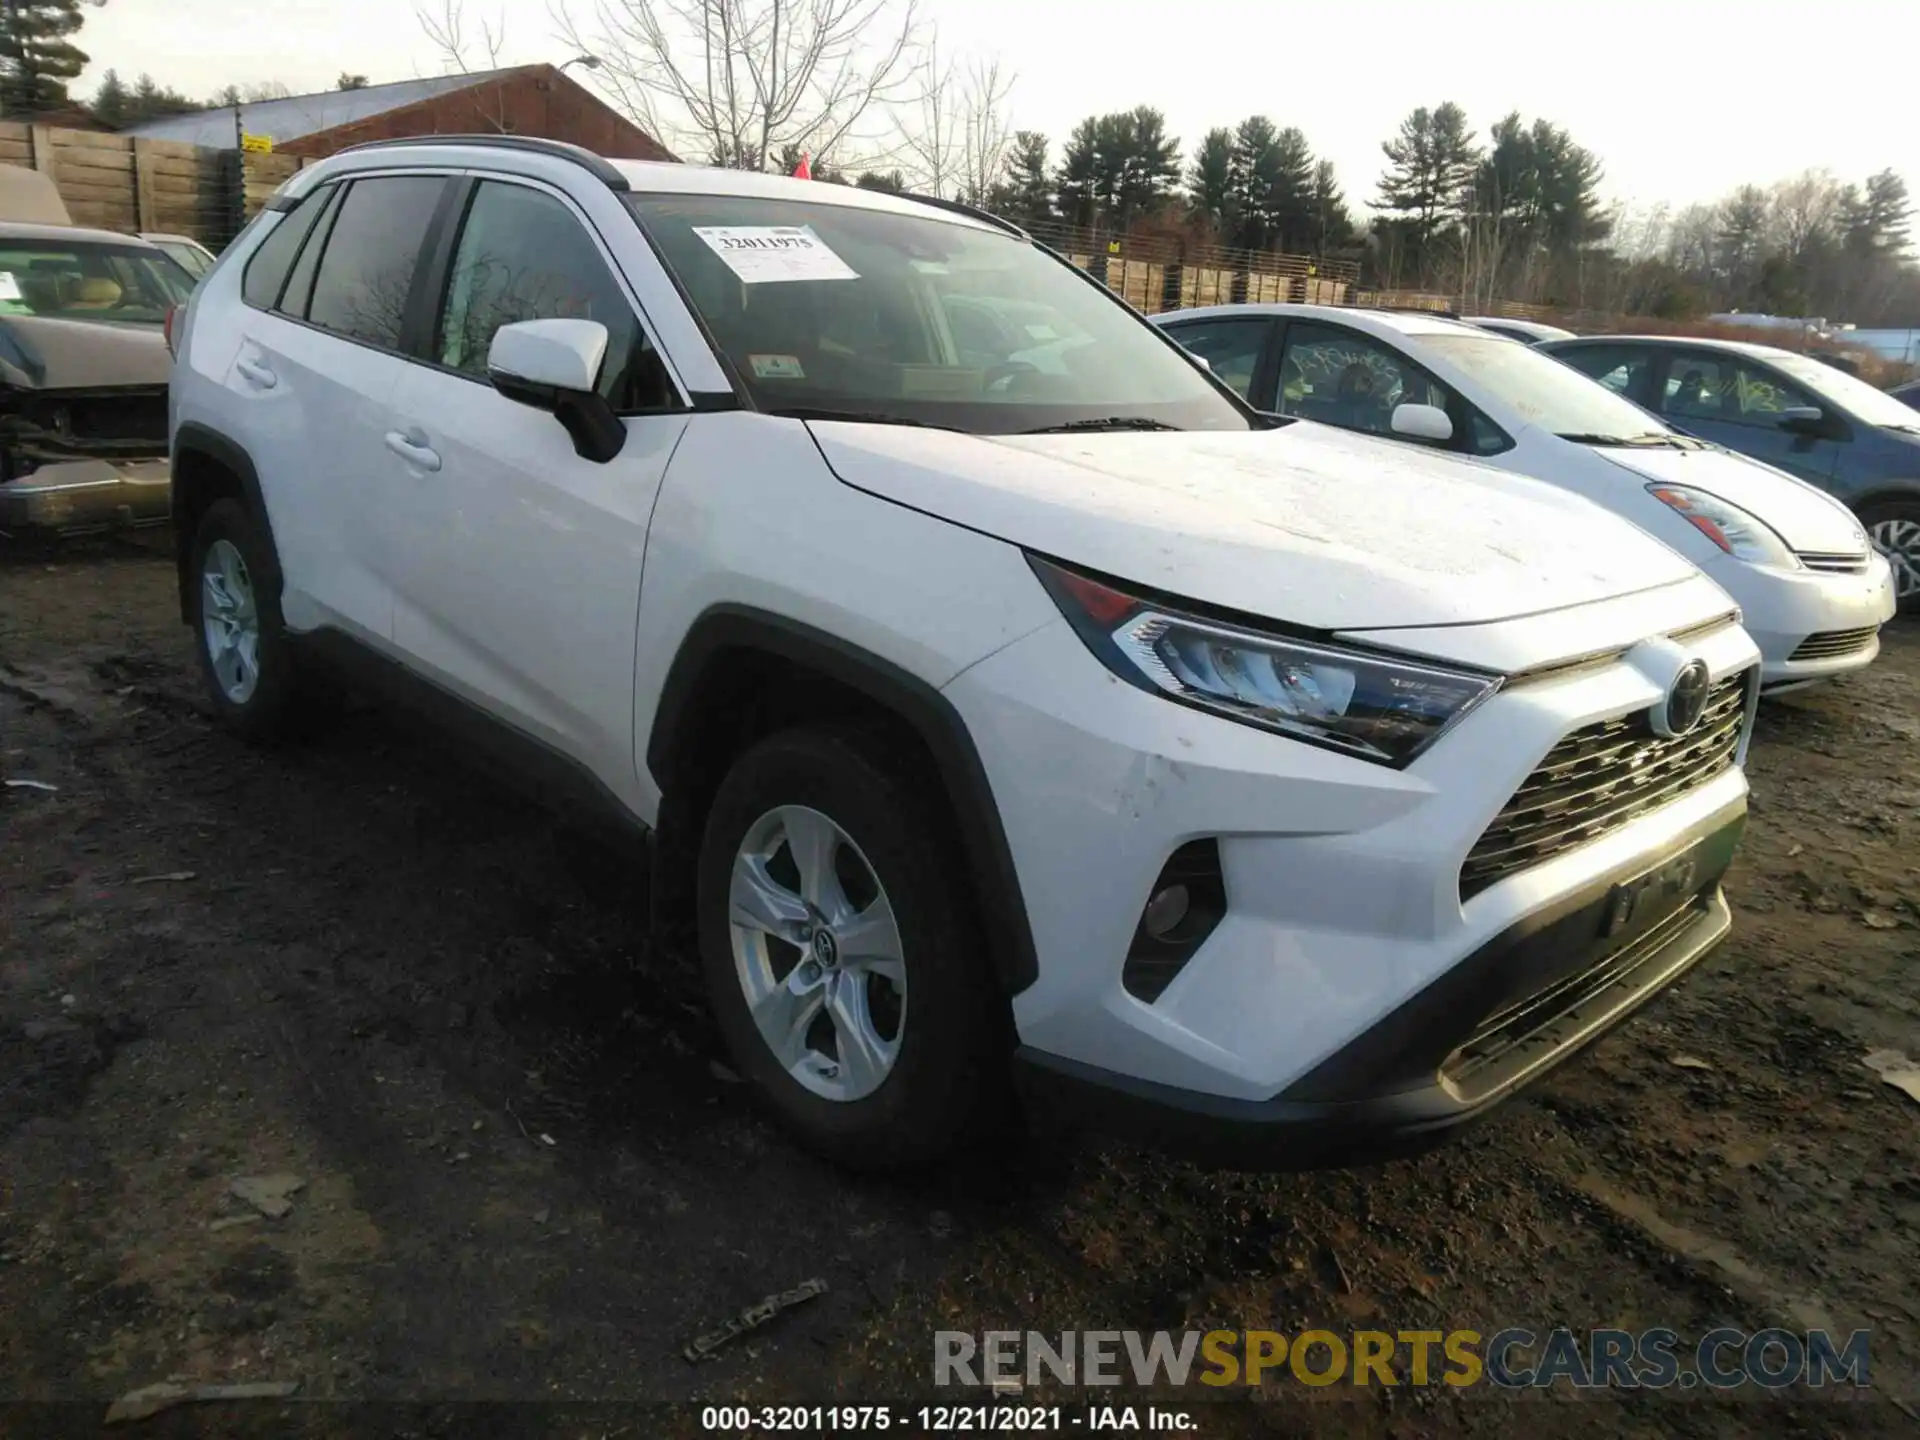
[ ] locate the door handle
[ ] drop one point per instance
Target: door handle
(415, 451)
(260, 375)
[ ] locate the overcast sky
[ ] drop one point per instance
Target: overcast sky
(1682, 99)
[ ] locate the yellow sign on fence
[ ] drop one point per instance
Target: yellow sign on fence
(258, 144)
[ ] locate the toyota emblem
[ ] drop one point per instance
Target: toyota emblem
(1686, 701)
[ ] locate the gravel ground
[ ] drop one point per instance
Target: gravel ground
(366, 964)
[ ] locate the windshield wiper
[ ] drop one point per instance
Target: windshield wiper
(1652, 439)
(858, 417)
(1110, 422)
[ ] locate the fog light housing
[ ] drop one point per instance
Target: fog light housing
(1184, 904)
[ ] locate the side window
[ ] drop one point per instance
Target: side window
(1700, 387)
(523, 255)
(1341, 377)
(366, 271)
(1625, 372)
(1231, 347)
(1760, 396)
(267, 267)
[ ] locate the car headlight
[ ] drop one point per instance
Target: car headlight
(1740, 534)
(1375, 707)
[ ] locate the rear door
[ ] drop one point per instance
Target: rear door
(318, 368)
(517, 562)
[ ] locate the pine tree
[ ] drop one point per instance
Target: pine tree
(37, 53)
(1210, 183)
(1332, 223)
(1025, 194)
(110, 101)
(1077, 182)
(1432, 164)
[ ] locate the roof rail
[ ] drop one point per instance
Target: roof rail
(601, 169)
(972, 212)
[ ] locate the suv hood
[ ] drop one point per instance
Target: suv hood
(1809, 520)
(39, 353)
(1306, 525)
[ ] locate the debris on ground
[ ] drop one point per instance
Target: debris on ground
(1879, 920)
(33, 785)
(152, 1399)
(704, 1347)
(168, 878)
(1684, 1061)
(227, 1222)
(725, 1074)
(271, 1195)
(1896, 1069)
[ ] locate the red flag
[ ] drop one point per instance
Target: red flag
(804, 170)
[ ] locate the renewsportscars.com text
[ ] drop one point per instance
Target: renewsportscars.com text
(1511, 1358)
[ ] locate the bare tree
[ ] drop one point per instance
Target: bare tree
(738, 81)
(987, 131)
(953, 135)
(446, 29)
(463, 52)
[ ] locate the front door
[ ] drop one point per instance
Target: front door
(1742, 405)
(516, 562)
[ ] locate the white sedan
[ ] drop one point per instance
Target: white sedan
(1813, 591)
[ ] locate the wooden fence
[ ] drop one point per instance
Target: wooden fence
(117, 182)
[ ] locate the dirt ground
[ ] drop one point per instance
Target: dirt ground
(364, 964)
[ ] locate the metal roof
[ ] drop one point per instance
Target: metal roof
(299, 115)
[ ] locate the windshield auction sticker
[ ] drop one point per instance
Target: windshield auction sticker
(762, 253)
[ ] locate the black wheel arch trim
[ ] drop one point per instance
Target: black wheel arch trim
(193, 438)
(930, 715)
(1896, 492)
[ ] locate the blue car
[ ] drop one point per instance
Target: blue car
(1859, 444)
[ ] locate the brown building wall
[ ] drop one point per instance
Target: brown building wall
(537, 100)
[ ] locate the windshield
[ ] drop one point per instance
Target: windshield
(190, 258)
(1545, 391)
(85, 280)
(883, 316)
(1859, 399)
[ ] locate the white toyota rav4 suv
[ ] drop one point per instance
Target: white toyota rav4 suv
(991, 680)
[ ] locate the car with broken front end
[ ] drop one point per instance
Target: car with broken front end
(83, 378)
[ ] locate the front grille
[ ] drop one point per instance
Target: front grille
(1603, 776)
(1835, 564)
(1831, 644)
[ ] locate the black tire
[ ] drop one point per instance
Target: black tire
(274, 709)
(1894, 512)
(950, 1074)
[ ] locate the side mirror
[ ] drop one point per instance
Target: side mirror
(1803, 419)
(1421, 422)
(554, 365)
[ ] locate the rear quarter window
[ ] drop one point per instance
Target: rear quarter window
(266, 273)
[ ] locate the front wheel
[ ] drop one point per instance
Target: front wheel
(841, 960)
(244, 659)
(1894, 528)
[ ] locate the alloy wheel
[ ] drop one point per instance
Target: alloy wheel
(817, 952)
(1899, 541)
(230, 621)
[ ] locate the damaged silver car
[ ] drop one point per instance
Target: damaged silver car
(83, 378)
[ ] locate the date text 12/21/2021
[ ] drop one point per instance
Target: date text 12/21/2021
(941, 1419)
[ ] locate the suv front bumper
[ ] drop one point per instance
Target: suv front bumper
(1537, 994)
(1344, 916)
